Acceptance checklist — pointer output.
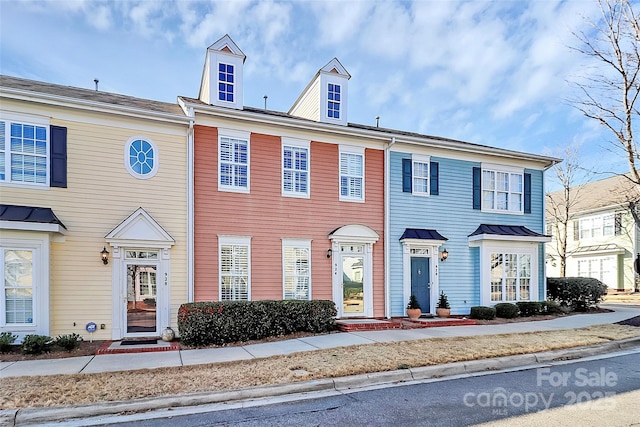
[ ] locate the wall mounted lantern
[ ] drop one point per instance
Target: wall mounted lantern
(104, 254)
(329, 252)
(444, 255)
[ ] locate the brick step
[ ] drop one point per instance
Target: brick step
(353, 325)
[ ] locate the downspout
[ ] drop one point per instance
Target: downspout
(544, 229)
(190, 220)
(387, 257)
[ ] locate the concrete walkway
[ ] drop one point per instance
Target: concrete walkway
(151, 360)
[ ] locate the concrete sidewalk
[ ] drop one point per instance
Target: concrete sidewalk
(151, 360)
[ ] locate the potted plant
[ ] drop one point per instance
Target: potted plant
(443, 309)
(413, 308)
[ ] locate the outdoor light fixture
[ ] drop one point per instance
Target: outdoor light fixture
(104, 253)
(329, 253)
(444, 255)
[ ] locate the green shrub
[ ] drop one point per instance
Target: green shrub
(6, 341)
(69, 342)
(551, 307)
(220, 322)
(506, 310)
(483, 313)
(36, 344)
(576, 293)
(529, 308)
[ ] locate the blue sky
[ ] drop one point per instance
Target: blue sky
(488, 72)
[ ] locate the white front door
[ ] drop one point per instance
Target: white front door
(352, 284)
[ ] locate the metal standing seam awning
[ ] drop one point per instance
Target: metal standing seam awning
(507, 232)
(422, 234)
(14, 217)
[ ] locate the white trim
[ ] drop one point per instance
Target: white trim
(296, 143)
(296, 244)
(241, 136)
(417, 158)
(478, 238)
(509, 170)
(356, 235)
(9, 118)
(433, 246)
(489, 247)
(234, 241)
(39, 243)
(156, 157)
(32, 226)
(350, 149)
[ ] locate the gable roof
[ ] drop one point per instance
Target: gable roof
(19, 87)
(225, 44)
(599, 195)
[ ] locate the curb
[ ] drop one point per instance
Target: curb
(29, 416)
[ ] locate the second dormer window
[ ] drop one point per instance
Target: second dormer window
(225, 82)
(333, 101)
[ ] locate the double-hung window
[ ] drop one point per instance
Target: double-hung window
(295, 168)
(352, 174)
(226, 82)
(17, 286)
(510, 277)
(502, 190)
(296, 269)
(420, 175)
(235, 268)
(24, 152)
(233, 161)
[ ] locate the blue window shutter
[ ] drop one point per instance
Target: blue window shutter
(477, 188)
(433, 175)
(58, 154)
(406, 175)
(527, 193)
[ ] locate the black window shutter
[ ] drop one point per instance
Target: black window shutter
(618, 223)
(406, 175)
(58, 154)
(433, 175)
(527, 193)
(477, 188)
(576, 230)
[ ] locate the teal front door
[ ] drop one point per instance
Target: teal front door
(420, 279)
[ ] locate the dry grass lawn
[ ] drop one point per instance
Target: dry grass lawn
(76, 389)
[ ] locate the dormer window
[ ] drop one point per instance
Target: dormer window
(225, 82)
(333, 102)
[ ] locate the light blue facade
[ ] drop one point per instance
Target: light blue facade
(451, 214)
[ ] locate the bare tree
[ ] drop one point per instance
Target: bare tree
(609, 92)
(560, 203)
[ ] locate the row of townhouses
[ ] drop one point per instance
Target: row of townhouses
(116, 210)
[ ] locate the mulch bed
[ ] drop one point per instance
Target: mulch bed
(634, 321)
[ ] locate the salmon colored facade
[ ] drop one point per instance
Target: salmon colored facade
(267, 217)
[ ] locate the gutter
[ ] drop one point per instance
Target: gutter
(387, 221)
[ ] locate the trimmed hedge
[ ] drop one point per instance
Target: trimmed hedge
(483, 313)
(575, 293)
(506, 310)
(529, 308)
(220, 322)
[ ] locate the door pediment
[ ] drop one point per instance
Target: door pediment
(141, 230)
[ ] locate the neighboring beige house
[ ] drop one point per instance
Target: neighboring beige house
(82, 170)
(602, 238)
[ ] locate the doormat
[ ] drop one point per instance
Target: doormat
(138, 342)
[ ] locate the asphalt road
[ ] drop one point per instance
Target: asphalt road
(453, 402)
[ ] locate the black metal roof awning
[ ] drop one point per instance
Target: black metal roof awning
(422, 234)
(29, 214)
(507, 232)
